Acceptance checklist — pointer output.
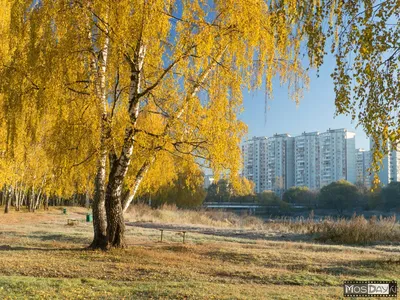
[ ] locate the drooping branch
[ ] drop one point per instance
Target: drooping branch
(78, 92)
(196, 87)
(26, 76)
(165, 72)
(85, 160)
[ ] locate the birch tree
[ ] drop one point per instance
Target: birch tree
(149, 82)
(163, 79)
(367, 50)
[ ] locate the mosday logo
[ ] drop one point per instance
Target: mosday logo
(378, 289)
(370, 289)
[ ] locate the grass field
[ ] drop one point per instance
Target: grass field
(43, 258)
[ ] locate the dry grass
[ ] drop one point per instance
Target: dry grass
(359, 230)
(171, 214)
(356, 230)
(43, 258)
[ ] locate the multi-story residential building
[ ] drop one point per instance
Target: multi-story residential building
(279, 163)
(268, 162)
(395, 164)
(311, 159)
(363, 164)
(337, 156)
(306, 160)
(254, 162)
(390, 167)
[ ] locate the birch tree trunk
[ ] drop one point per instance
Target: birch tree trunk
(17, 197)
(99, 213)
(32, 201)
(46, 203)
(8, 200)
(138, 180)
(87, 200)
(114, 207)
(115, 214)
(37, 201)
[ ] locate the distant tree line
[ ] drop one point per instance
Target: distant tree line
(187, 191)
(222, 191)
(340, 196)
(32, 200)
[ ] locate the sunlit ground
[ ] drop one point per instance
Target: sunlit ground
(44, 258)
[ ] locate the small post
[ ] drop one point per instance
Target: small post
(161, 235)
(184, 233)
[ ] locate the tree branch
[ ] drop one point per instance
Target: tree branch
(166, 70)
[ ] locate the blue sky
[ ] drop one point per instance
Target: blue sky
(316, 111)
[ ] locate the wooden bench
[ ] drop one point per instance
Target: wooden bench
(183, 233)
(72, 222)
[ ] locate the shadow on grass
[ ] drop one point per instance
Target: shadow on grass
(346, 271)
(20, 248)
(358, 269)
(380, 264)
(44, 237)
(63, 238)
(233, 257)
(364, 268)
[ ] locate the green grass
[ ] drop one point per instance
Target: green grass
(42, 258)
(16, 287)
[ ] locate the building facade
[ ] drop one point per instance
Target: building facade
(268, 162)
(363, 163)
(306, 160)
(390, 167)
(254, 162)
(279, 163)
(312, 159)
(337, 156)
(394, 158)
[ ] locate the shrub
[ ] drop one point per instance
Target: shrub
(269, 198)
(300, 195)
(339, 195)
(390, 195)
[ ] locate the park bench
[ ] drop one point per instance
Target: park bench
(72, 222)
(180, 232)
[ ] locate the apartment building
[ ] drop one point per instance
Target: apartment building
(268, 162)
(279, 163)
(312, 159)
(395, 164)
(306, 160)
(337, 156)
(363, 163)
(254, 162)
(390, 168)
